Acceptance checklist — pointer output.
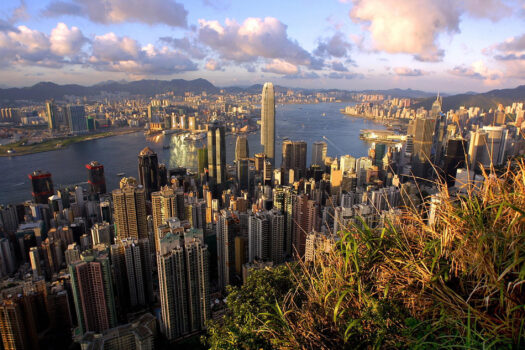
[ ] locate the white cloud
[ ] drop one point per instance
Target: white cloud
(413, 26)
(65, 41)
(152, 12)
(123, 54)
(279, 66)
(255, 38)
(511, 55)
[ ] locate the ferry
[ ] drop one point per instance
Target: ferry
(11, 151)
(196, 137)
(121, 174)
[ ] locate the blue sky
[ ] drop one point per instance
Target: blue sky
(445, 45)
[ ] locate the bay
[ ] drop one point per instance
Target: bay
(118, 154)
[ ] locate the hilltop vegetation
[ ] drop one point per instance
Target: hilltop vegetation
(458, 283)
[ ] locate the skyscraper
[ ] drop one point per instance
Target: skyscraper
(42, 186)
(423, 139)
(92, 285)
(241, 148)
(294, 157)
(227, 228)
(164, 206)
(319, 153)
(130, 210)
(52, 115)
(96, 178)
(305, 219)
(268, 121)
(243, 174)
(217, 153)
(149, 171)
(183, 283)
(76, 118)
(17, 323)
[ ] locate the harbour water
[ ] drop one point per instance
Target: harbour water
(118, 154)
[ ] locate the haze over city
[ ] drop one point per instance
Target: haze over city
(450, 46)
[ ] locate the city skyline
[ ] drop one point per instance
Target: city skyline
(447, 46)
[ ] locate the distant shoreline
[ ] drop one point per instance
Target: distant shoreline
(50, 145)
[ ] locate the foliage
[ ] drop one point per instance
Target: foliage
(457, 282)
(238, 329)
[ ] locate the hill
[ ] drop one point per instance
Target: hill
(486, 100)
(47, 90)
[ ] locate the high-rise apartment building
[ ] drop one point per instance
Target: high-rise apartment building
(129, 202)
(305, 220)
(243, 174)
(183, 283)
(17, 323)
(166, 203)
(92, 285)
(217, 153)
(227, 229)
(268, 121)
(42, 185)
(96, 178)
(149, 171)
(52, 115)
(266, 236)
(241, 147)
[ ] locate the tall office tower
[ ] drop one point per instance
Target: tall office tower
(294, 157)
(52, 115)
(164, 206)
(163, 175)
(283, 198)
(277, 248)
(268, 121)
(18, 326)
(487, 146)
(129, 203)
(132, 270)
(423, 140)
(34, 258)
(319, 149)
(76, 118)
(92, 285)
(149, 171)
(8, 218)
(183, 283)
(241, 148)
(260, 158)
(268, 173)
(96, 178)
(306, 219)
(202, 154)
(227, 228)
(7, 257)
(42, 186)
(217, 153)
(243, 174)
(454, 158)
(347, 164)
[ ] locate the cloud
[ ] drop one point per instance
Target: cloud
(279, 66)
(302, 75)
(151, 12)
(253, 40)
(336, 46)
(347, 75)
(478, 70)
(408, 72)
(123, 54)
(65, 41)
(491, 9)
(213, 65)
(339, 67)
(409, 26)
(190, 46)
(511, 49)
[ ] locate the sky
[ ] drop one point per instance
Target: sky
(433, 45)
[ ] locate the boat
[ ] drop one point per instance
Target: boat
(323, 115)
(121, 174)
(196, 137)
(169, 132)
(166, 147)
(11, 151)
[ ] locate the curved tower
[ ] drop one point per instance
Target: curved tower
(268, 121)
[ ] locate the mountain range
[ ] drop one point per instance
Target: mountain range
(47, 90)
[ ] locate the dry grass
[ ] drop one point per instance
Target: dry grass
(457, 283)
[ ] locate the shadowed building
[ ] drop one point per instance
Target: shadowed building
(241, 148)
(96, 178)
(149, 171)
(217, 153)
